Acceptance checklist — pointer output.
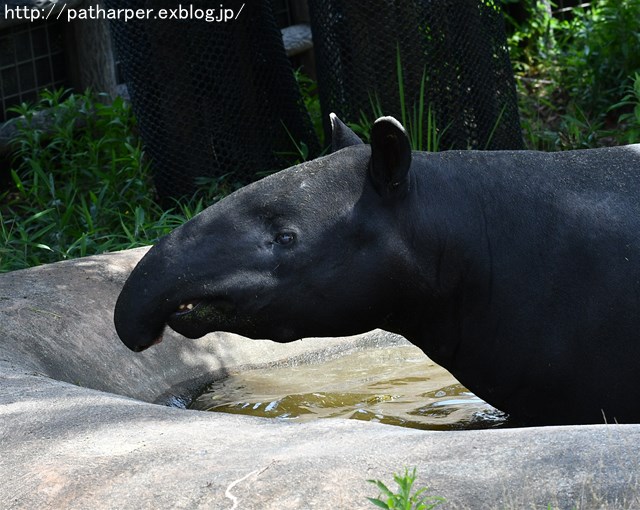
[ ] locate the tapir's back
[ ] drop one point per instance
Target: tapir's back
(610, 169)
(559, 265)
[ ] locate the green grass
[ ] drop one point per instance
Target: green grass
(82, 185)
(418, 119)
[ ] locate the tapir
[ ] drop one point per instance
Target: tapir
(518, 271)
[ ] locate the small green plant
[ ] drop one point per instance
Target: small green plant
(577, 130)
(419, 119)
(404, 499)
(631, 119)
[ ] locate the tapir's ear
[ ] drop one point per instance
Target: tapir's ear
(341, 135)
(390, 157)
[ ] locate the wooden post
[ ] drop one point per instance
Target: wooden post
(92, 65)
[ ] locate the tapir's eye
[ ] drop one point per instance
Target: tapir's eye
(285, 238)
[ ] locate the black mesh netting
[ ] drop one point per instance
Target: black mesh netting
(459, 45)
(211, 98)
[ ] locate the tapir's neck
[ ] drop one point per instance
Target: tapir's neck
(446, 238)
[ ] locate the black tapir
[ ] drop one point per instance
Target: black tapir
(519, 271)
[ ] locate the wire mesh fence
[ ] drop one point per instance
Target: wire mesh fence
(455, 51)
(212, 99)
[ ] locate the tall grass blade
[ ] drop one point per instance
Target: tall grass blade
(495, 126)
(403, 107)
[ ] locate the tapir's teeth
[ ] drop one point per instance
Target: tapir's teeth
(185, 306)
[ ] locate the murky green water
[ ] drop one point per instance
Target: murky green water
(398, 386)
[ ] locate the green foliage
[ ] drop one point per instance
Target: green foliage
(80, 184)
(631, 104)
(418, 119)
(309, 91)
(531, 42)
(599, 51)
(422, 137)
(572, 67)
(404, 499)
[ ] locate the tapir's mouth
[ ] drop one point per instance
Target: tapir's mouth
(196, 317)
(187, 308)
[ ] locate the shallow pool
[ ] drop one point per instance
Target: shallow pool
(398, 386)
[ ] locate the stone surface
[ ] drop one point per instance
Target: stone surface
(297, 39)
(79, 427)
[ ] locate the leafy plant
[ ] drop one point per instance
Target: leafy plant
(599, 51)
(418, 119)
(577, 130)
(404, 499)
(631, 119)
(572, 66)
(81, 185)
(532, 42)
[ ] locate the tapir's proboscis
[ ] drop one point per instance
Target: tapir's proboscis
(518, 271)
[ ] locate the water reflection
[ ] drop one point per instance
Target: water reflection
(397, 386)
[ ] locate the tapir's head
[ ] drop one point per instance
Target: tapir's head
(313, 250)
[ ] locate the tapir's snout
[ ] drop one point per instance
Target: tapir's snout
(137, 318)
(140, 348)
(157, 292)
(181, 286)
